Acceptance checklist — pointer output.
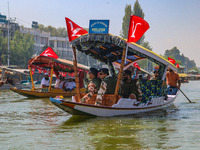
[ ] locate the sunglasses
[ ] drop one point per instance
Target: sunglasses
(100, 73)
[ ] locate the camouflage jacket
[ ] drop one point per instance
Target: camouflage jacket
(130, 87)
(107, 86)
(92, 89)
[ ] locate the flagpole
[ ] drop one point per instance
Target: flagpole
(76, 74)
(120, 75)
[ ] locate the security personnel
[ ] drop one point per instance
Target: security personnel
(107, 86)
(130, 88)
(93, 85)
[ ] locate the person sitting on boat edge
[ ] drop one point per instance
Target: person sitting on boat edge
(130, 88)
(93, 85)
(172, 79)
(108, 84)
(45, 81)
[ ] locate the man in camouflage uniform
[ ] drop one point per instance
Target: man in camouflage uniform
(107, 86)
(130, 88)
(93, 85)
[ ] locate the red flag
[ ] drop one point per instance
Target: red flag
(137, 27)
(177, 65)
(136, 65)
(171, 60)
(74, 30)
(49, 53)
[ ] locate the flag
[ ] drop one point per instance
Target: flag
(171, 60)
(137, 27)
(136, 65)
(74, 30)
(177, 65)
(49, 53)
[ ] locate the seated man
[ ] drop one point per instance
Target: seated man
(172, 80)
(69, 86)
(45, 81)
(93, 85)
(58, 84)
(130, 88)
(108, 84)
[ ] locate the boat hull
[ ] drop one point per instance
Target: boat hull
(76, 108)
(29, 93)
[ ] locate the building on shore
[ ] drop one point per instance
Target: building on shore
(42, 39)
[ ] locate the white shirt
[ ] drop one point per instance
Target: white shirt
(45, 82)
(70, 85)
(57, 83)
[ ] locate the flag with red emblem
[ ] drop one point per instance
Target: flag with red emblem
(171, 60)
(177, 65)
(136, 65)
(74, 30)
(49, 53)
(137, 27)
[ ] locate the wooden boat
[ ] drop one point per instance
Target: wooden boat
(16, 75)
(112, 51)
(55, 65)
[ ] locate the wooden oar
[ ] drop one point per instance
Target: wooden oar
(186, 96)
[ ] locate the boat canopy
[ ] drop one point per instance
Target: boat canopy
(63, 65)
(108, 48)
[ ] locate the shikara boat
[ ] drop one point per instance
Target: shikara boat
(55, 66)
(115, 51)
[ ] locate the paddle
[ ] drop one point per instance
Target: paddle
(186, 96)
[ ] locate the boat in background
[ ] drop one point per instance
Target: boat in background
(55, 66)
(16, 75)
(112, 51)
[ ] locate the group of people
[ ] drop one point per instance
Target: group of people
(102, 83)
(61, 83)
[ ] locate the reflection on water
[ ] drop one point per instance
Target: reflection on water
(37, 124)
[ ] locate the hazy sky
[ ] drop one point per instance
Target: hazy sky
(172, 22)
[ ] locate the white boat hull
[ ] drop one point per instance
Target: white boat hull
(123, 107)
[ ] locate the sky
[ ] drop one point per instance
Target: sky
(172, 22)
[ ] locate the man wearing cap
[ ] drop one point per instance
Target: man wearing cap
(58, 82)
(93, 85)
(107, 86)
(130, 88)
(45, 81)
(172, 80)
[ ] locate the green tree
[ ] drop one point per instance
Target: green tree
(3, 49)
(21, 49)
(174, 53)
(126, 20)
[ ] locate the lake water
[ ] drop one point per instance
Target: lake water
(34, 124)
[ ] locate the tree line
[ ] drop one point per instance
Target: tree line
(21, 49)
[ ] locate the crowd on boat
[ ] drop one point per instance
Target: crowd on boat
(100, 83)
(61, 83)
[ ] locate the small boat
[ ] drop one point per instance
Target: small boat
(115, 51)
(16, 76)
(54, 65)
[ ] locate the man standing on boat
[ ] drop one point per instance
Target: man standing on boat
(130, 87)
(172, 80)
(45, 81)
(93, 85)
(107, 86)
